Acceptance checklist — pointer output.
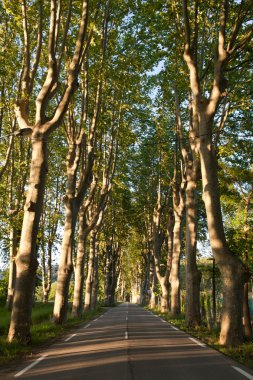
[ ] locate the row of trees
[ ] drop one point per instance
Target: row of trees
(122, 112)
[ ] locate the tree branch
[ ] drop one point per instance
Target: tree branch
(38, 51)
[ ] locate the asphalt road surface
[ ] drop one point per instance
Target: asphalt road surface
(129, 343)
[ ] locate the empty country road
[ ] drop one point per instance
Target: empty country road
(129, 343)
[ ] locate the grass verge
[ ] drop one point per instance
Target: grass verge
(43, 330)
(242, 353)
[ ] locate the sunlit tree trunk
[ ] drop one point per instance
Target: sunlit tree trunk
(47, 271)
(77, 306)
(89, 279)
(175, 265)
(26, 260)
(192, 273)
(178, 209)
(13, 245)
(107, 274)
(231, 268)
(12, 268)
(65, 269)
(232, 271)
(158, 238)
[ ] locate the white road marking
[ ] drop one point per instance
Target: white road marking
(126, 318)
(30, 366)
(174, 328)
(246, 374)
(70, 337)
(163, 320)
(198, 342)
(85, 327)
(95, 320)
(126, 335)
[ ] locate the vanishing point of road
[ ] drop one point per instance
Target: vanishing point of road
(129, 343)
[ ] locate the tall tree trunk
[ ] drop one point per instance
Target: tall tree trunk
(14, 207)
(108, 274)
(175, 265)
(89, 279)
(165, 295)
(246, 311)
(12, 268)
(146, 280)
(233, 273)
(77, 307)
(65, 269)
(26, 260)
(158, 238)
(153, 296)
(94, 290)
(47, 272)
(192, 273)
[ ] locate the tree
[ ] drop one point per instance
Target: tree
(39, 132)
(231, 268)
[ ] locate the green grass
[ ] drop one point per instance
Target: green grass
(43, 331)
(242, 353)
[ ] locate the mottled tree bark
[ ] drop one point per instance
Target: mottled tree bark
(95, 280)
(158, 238)
(89, 279)
(232, 270)
(153, 283)
(77, 306)
(12, 268)
(26, 260)
(65, 269)
(175, 307)
(192, 273)
(233, 273)
(47, 272)
(246, 311)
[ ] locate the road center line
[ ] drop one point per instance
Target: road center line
(126, 335)
(126, 318)
(70, 337)
(30, 366)
(246, 374)
(197, 342)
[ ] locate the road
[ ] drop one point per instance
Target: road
(129, 343)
